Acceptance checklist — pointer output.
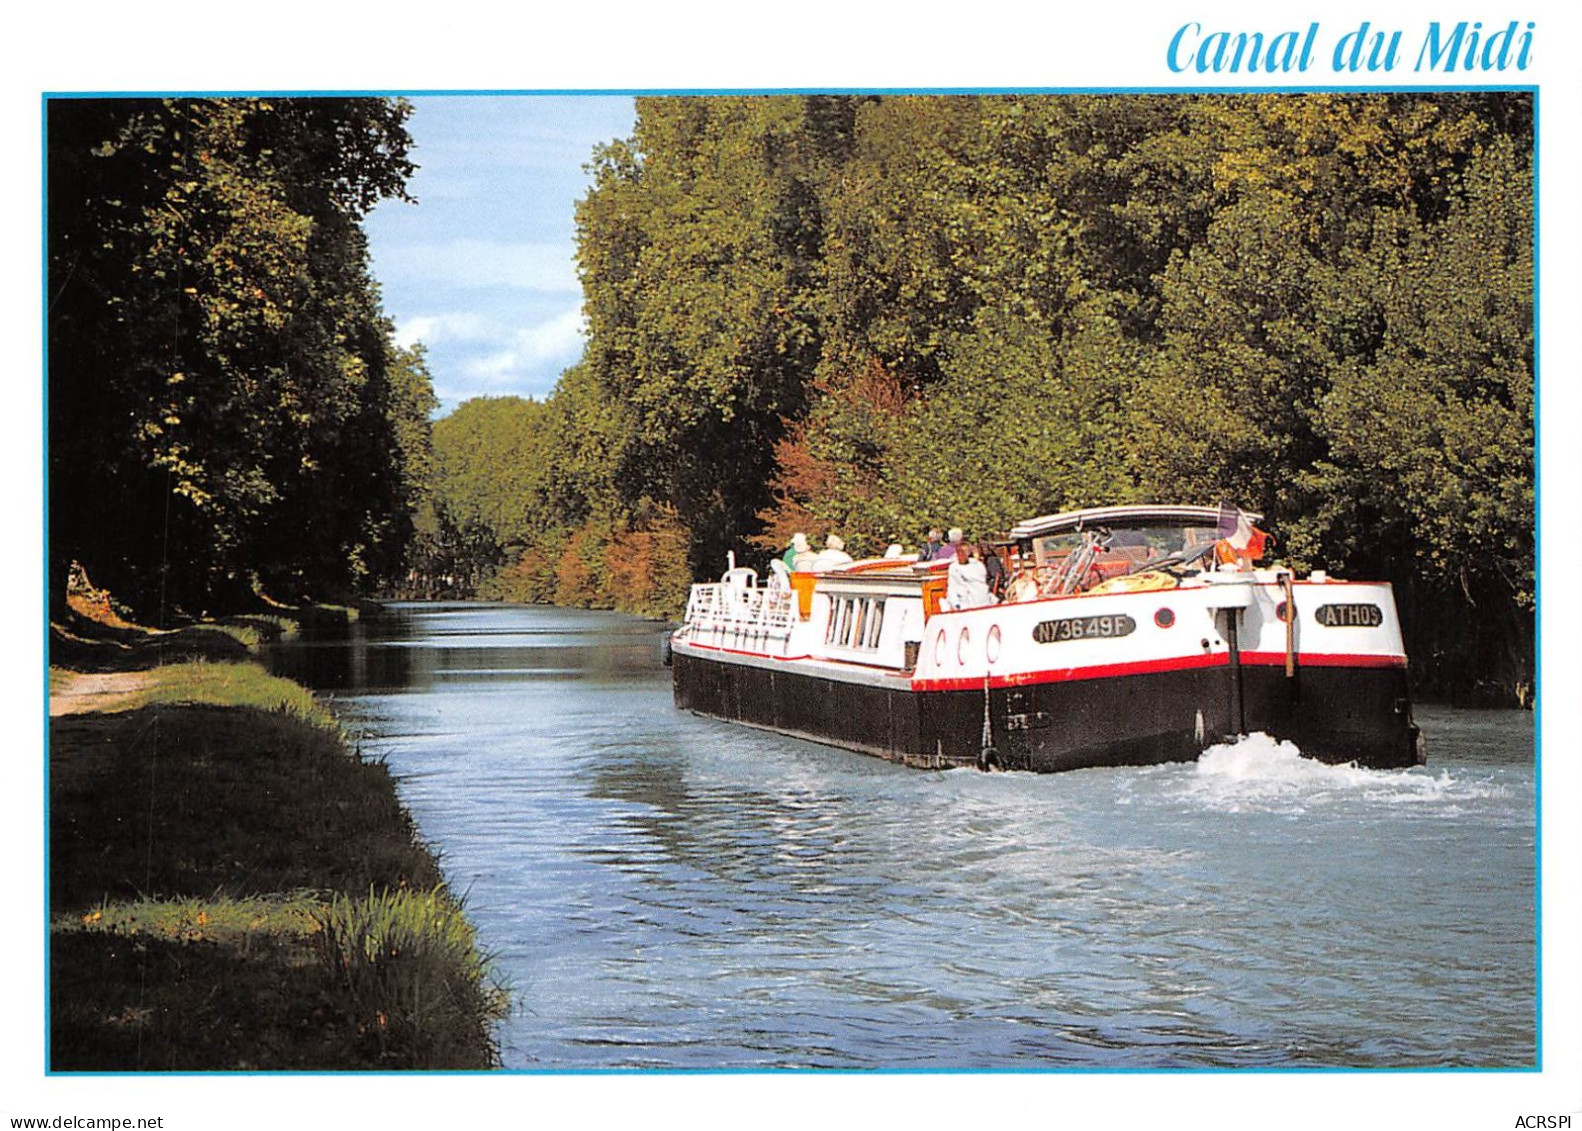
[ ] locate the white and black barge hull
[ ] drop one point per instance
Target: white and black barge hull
(1335, 713)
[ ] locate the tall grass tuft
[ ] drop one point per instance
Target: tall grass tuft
(409, 959)
(219, 918)
(235, 685)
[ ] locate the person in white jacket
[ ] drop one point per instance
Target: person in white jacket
(833, 555)
(967, 580)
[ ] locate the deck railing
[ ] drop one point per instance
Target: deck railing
(740, 612)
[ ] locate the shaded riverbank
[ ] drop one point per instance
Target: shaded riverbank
(230, 885)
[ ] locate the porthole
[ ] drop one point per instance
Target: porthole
(1280, 611)
(962, 642)
(1164, 618)
(939, 649)
(991, 646)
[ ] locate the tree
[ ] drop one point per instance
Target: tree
(221, 397)
(1431, 435)
(876, 314)
(698, 245)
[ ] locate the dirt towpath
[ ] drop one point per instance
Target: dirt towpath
(89, 692)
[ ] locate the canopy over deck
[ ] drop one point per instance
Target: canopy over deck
(1140, 514)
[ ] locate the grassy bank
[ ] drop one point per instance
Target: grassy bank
(230, 886)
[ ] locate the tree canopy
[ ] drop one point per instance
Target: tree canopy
(875, 314)
(227, 408)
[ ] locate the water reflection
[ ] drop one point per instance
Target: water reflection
(669, 891)
(413, 647)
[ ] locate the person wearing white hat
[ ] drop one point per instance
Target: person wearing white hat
(833, 555)
(799, 555)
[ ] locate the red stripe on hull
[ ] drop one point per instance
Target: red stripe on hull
(883, 669)
(1099, 671)
(1148, 667)
(1325, 660)
(1061, 675)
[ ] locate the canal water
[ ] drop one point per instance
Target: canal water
(670, 892)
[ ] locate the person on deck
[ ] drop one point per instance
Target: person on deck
(967, 581)
(833, 555)
(930, 550)
(1024, 586)
(799, 555)
(994, 565)
(947, 551)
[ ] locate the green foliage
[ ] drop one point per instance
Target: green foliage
(225, 399)
(872, 315)
(534, 578)
(1016, 430)
(492, 456)
(698, 245)
(1439, 418)
(197, 920)
(232, 685)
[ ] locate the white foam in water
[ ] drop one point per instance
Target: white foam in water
(1260, 769)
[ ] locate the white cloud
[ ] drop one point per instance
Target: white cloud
(435, 329)
(473, 263)
(560, 337)
(557, 341)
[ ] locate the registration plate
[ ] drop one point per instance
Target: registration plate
(1349, 616)
(1105, 627)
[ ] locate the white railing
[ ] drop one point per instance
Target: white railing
(740, 613)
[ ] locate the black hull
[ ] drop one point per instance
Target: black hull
(1333, 714)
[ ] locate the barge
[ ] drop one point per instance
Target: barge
(1144, 634)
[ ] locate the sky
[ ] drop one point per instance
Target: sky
(482, 269)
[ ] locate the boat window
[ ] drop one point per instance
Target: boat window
(839, 620)
(1128, 549)
(855, 622)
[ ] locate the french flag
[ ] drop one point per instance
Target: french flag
(1237, 530)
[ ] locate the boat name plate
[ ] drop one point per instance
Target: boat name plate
(1349, 616)
(1106, 627)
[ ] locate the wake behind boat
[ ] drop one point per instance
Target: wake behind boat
(1147, 634)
